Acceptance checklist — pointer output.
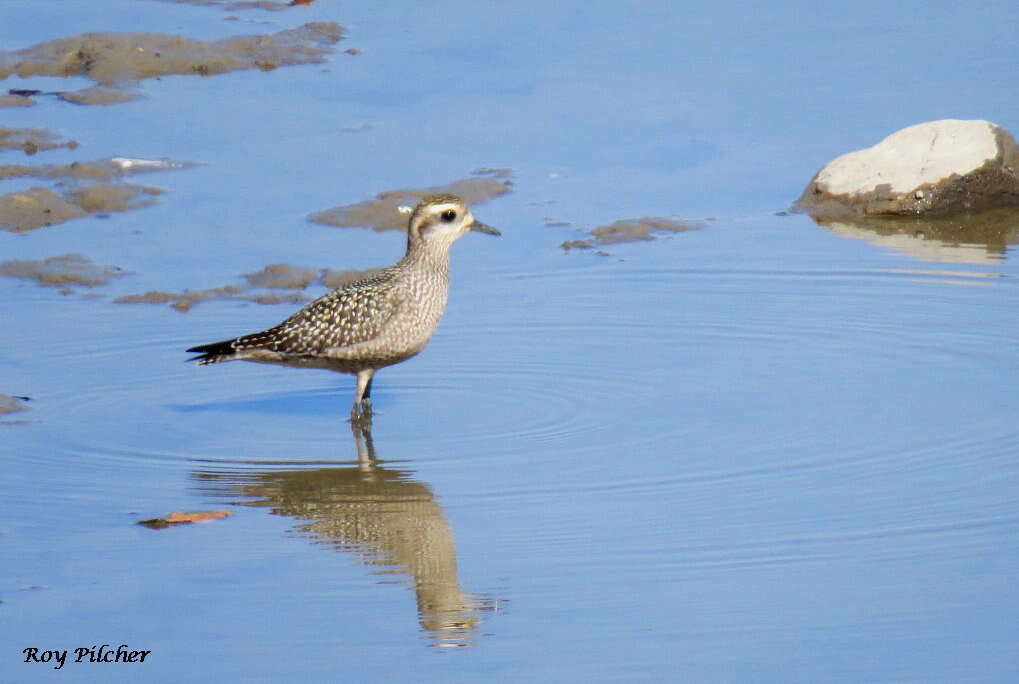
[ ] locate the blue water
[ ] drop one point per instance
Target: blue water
(757, 451)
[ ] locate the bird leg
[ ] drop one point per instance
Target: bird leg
(361, 411)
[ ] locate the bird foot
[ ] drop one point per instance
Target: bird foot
(361, 413)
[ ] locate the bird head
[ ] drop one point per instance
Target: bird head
(442, 219)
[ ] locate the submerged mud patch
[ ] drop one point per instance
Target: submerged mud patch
(630, 230)
(498, 172)
(99, 169)
(274, 284)
(62, 271)
(273, 277)
(34, 208)
(383, 212)
(15, 100)
(184, 300)
(12, 404)
(98, 95)
(119, 60)
(333, 279)
(282, 277)
(105, 197)
(234, 5)
(38, 207)
(32, 140)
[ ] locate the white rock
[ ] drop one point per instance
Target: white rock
(920, 154)
(935, 167)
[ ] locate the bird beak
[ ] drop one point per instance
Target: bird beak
(483, 228)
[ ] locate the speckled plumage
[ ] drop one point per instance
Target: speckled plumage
(371, 323)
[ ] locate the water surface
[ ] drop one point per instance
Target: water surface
(761, 450)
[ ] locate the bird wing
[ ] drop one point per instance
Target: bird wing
(355, 313)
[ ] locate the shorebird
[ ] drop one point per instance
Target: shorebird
(371, 323)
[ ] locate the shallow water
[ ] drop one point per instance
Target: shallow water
(761, 450)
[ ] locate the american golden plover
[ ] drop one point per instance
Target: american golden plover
(371, 323)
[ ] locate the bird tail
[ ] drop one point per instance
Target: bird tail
(214, 352)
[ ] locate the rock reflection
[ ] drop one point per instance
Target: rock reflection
(978, 238)
(388, 519)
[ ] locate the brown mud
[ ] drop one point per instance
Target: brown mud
(383, 212)
(15, 100)
(282, 277)
(75, 194)
(183, 301)
(630, 230)
(11, 404)
(32, 140)
(21, 212)
(237, 5)
(98, 170)
(98, 95)
(272, 277)
(62, 271)
(34, 208)
(118, 61)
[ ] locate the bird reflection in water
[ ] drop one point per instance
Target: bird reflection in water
(390, 520)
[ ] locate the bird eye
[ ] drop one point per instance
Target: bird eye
(448, 216)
